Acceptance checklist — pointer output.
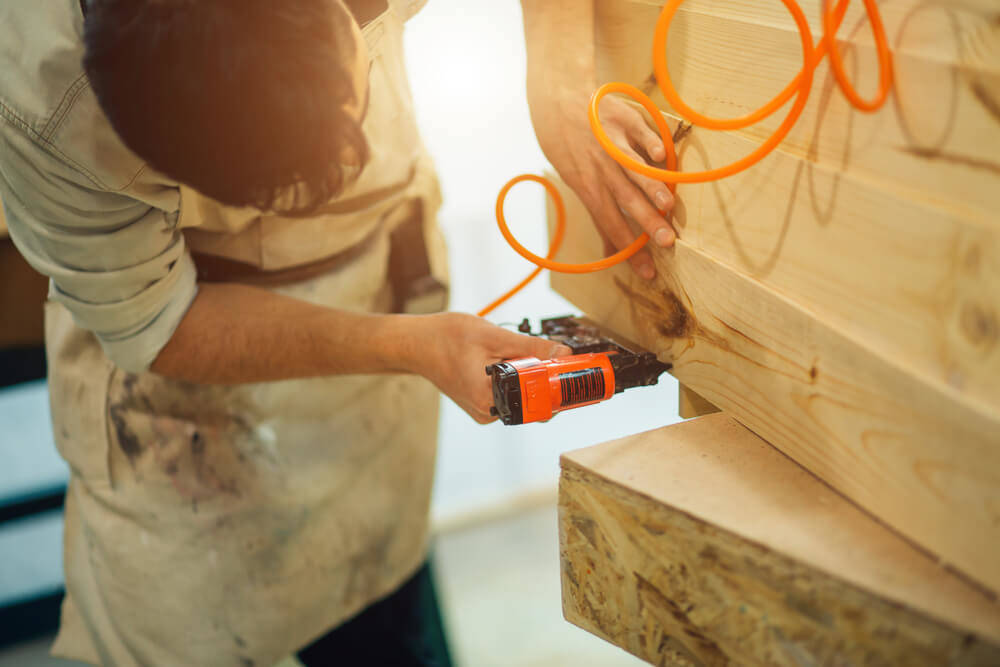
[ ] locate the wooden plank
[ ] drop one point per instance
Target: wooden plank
(692, 404)
(871, 220)
(699, 543)
(914, 283)
(728, 58)
(914, 452)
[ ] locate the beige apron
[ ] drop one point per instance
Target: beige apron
(210, 525)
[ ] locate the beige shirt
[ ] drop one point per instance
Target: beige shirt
(209, 525)
(107, 229)
(81, 207)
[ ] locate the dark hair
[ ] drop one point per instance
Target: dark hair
(244, 100)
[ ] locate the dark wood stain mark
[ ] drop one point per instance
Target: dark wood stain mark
(979, 324)
(649, 84)
(670, 318)
(813, 373)
(954, 158)
(984, 97)
(973, 259)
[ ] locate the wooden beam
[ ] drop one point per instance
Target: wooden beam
(700, 544)
(913, 451)
(884, 224)
(729, 57)
(692, 404)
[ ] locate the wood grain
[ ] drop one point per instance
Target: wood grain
(918, 454)
(886, 224)
(916, 284)
(935, 142)
(699, 543)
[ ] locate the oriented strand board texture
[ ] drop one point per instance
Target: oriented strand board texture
(842, 297)
(699, 543)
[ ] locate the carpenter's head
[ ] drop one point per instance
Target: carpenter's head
(251, 102)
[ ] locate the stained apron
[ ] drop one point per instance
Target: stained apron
(232, 525)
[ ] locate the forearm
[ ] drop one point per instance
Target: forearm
(234, 334)
(562, 77)
(559, 39)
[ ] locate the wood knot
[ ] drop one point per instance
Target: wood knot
(662, 310)
(979, 324)
(973, 259)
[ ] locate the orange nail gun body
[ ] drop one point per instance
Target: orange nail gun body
(529, 389)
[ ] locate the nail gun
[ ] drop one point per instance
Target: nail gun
(529, 390)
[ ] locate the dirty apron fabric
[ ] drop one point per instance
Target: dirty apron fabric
(218, 525)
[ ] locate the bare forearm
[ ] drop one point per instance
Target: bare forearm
(559, 38)
(234, 334)
(562, 77)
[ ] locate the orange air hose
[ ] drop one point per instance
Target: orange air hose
(800, 86)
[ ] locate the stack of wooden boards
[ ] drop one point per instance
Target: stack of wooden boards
(841, 300)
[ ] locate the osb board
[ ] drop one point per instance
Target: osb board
(913, 452)
(699, 543)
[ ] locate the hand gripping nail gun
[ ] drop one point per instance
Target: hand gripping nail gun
(529, 390)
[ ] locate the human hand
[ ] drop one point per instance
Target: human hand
(609, 192)
(458, 347)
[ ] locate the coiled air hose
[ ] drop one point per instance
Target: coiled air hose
(800, 87)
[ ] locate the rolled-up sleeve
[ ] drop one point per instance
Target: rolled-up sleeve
(116, 262)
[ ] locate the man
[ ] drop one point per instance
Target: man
(234, 207)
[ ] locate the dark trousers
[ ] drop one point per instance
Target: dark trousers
(403, 629)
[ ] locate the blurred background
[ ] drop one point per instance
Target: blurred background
(495, 551)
